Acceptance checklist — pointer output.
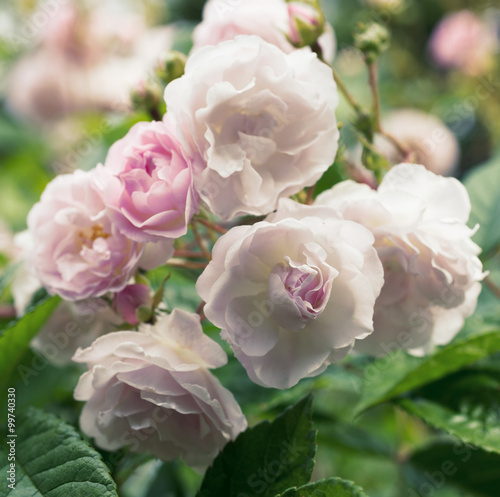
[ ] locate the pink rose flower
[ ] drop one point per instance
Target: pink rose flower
(431, 267)
(78, 252)
(261, 123)
(464, 41)
(268, 19)
(293, 293)
(152, 391)
(148, 183)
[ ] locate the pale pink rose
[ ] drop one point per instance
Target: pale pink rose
(426, 136)
(73, 325)
(147, 182)
(464, 41)
(292, 294)
(262, 123)
(78, 251)
(152, 391)
(432, 271)
(127, 302)
(268, 19)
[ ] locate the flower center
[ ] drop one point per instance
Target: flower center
(88, 236)
(299, 291)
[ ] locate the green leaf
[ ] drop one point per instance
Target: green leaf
(454, 463)
(475, 427)
(333, 487)
(482, 185)
(52, 460)
(266, 459)
(15, 340)
(400, 372)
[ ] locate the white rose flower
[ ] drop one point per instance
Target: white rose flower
(152, 391)
(292, 294)
(432, 271)
(262, 123)
(224, 21)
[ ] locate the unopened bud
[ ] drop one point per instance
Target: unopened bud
(372, 40)
(307, 23)
(171, 66)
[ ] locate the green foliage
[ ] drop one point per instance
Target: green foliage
(478, 428)
(267, 459)
(52, 460)
(15, 340)
(482, 185)
(333, 487)
(454, 463)
(400, 372)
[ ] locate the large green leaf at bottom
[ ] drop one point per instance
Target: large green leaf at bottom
(267, 459)
(53, 461)
(333, 487)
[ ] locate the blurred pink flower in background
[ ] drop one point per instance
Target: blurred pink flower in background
(464, 41)
(83, 62)
(430, 140)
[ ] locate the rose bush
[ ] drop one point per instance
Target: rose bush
(152, 390)
(261, 122)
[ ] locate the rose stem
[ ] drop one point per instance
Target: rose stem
(188, 254)
(200, 242)
(212, 226)
(187, 264)
(492, 286)
(310, 193)
(373, 78)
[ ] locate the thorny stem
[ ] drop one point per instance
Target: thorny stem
(211, 226)
(187, 264)
(343, 89)
(188, 254)
(200, 242)
(373, 75)
(495, 289)
(373, 79)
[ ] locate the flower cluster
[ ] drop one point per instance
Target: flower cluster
(250, 124)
